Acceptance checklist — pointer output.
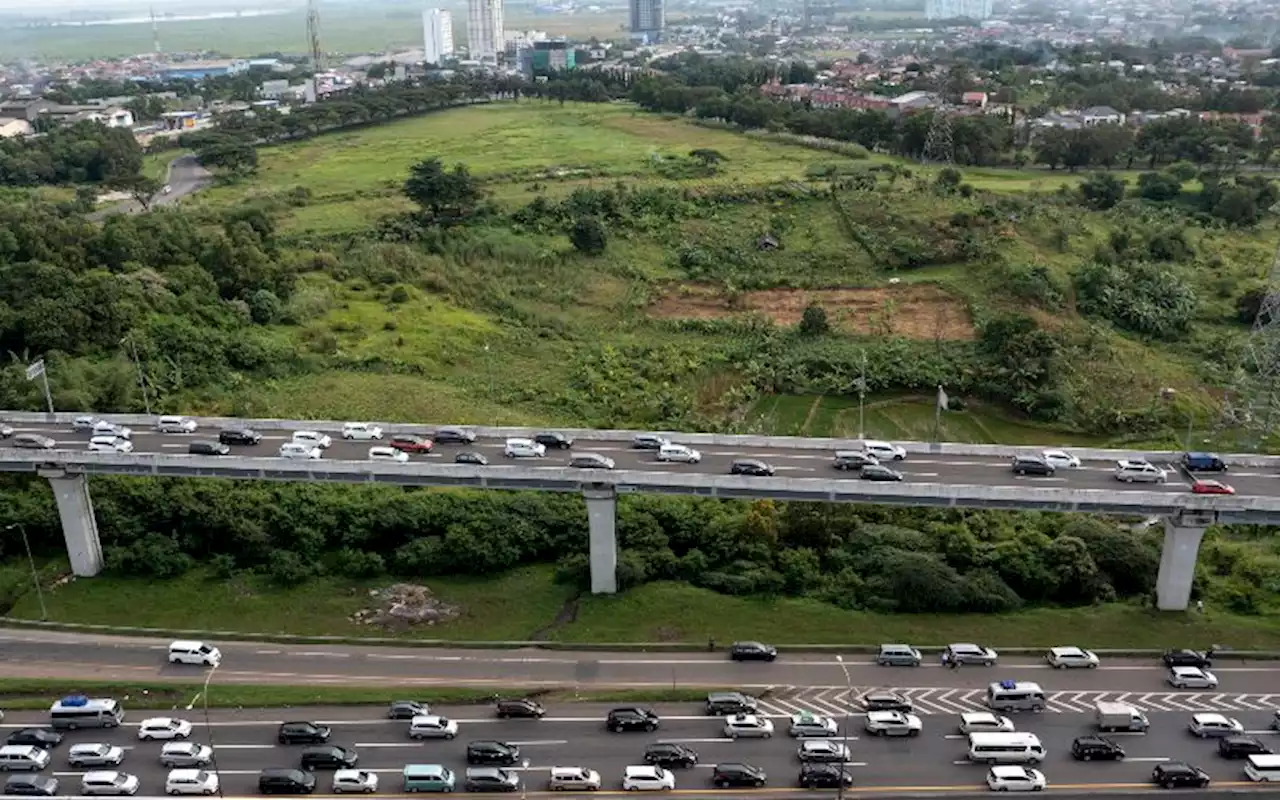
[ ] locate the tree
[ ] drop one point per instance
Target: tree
(588, 235)
(445, 196)
(1102, 190)
(141, 188)
(1159, 186)
(229, 155)
(814, 321)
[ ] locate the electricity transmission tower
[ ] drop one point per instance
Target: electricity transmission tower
(313, 37)
(938, 145)
(1256, 404)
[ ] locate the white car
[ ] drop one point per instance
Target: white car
(361, 430)
(524, 448)
(1013, 778)
(884, 451)
(172, 424)
(1139, 471)
(312, 439)
(84, 423)
(432, 726)
(985, 722)
(892, 723)
(191, 781)
(679, 453)
(1206, 725)
(823, 750)
(110, 444)
(104, 428)
(185, 754)
(1192, 678)
(1065, 657)
(108, 782)
(300, 450)
(1060, 459)
(748, 726)
(645, 778)
(163, 728)
(93, 754)
(355, 781)
(804, 725)
(388, 454)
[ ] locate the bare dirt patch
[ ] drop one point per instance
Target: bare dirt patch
(405, 605)
(913, 311)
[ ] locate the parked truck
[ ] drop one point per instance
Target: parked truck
(1120, 717)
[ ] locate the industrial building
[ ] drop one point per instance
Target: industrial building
(199, 70)
(957, 9)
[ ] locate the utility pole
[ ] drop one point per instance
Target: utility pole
(142, 376)
(35, 576)
(862, 398)
(844, 727)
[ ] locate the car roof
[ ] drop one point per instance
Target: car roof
(1187, 671)
(1210, 718)
(886, 715)
(970, 716)
(1007, 770)
(1068, 651)
(642, 769)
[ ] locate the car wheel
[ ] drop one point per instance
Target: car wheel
(987, 663)
(368, 791)
(632, 788)
(174, 792)
(651, 727)
(448, 736)
(1059, 666)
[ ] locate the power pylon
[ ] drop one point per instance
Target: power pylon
(313, 37)
(938, 145)
(155, 32)
(1256, 404)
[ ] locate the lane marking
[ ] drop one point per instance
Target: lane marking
(387, 744)
(539, 742)
(1152, 759)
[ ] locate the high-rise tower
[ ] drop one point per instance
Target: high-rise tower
(437, 35)
(648, 18)
(485, 35)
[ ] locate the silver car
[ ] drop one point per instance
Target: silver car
(185, 754)
(971, 654)
(94, 754)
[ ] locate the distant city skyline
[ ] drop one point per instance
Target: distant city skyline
(437, 35)
(486, 36)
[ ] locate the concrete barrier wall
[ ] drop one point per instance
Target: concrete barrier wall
(741, 443)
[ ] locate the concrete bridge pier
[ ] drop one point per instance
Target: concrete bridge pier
(79, 526)
(602, 522)
(1182, 535)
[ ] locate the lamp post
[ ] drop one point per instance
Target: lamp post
(861, 383)
(213, 748)
(524, 767)
(35, 576)
(844, 728)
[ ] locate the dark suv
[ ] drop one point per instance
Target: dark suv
(239, 436)
(750, 466)
(631, 719)
(491, 752)
(1187, 658)
(1241, 747)
(329, 756)
(824, 776)
(752, 651)
(302, 733)
(1203, 462)
(1175, 774)
(557, 441)
(722, 704)
(1032, 465)
(523, 708)
(202, 448)
(853, 460)
(286, 781)
(407, 709)
(36, 737)
(883, 700)
(670, 754)
(726, 776)
(1096, 748)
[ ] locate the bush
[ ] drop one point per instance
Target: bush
(1145, 298)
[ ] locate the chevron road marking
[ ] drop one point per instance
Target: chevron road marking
(832, 701)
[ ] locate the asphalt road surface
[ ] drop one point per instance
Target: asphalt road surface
(789, 463)
(185, 177)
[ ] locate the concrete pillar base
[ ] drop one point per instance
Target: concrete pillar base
(79, 527)
(1177, 565)
(602, 522)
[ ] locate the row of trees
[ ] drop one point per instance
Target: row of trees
(84, 152)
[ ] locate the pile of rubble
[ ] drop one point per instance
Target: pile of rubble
(405, 605)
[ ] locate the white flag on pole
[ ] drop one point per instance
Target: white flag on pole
(35, 370)
(943, 401)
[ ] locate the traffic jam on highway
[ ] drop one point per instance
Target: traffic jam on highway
(876, 741)
(872, 460)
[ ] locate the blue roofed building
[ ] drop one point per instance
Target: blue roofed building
(199, 70)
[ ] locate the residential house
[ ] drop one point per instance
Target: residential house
(978, 99)
(1100, 115)
(11, 128)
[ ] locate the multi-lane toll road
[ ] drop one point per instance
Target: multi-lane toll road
(574, 735)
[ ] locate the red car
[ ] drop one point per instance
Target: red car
(410, 444)
(1211, 487)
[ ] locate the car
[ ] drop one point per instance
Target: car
(388, 454)
(573, 779)
(1214, 725)
(491, 779)
(1071, 657)
(1211, 487)
(6, 430)
(647, 778)
(185, 651)
(1135, 470)
(648, 441)
(104, 428)
(300, 450)
(407, 709)
(409, 443)
(892, 723)
(1175, 774)
(1096, 748)
(93, 754)
(823, 750)
(329, 756)
(670, 754)
(971, 654)
(1275, 720)
(191, 781)
(1186, 658)
(453, 435)
(523, 448)
(302, 733)
(898, 655)
(185, 754)
(312, 439)
(553, 441)
(678, 453)
(752, 651)
(824, 776)
(1203, 462)
(722, 703)
(1032, 465)
(432, 726)
(879, 472)
(204, 447)
(490, 751)
(241, 436)
(748, 726)
(355, 781)
(363, 431)
(854, 460)
(884, 700)
(1241, 747)
(83, 424)
(591, 461)
(520, 708)
(736, 774)
(1061, 459)
(471, 457)
(884, 451)
(28, 785)
(1192, 678)
(175, 424)
(985, 721)
(286, 781)
(33, 441)
(750, 466)
(110, 444)
(163, 728)
(35, 737)
(804, 725)
(108, 782)
(632, 719)
(1015, 778)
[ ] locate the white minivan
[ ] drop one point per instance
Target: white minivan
(524, 448)
(189, 652)
(1005, 748)
(361, 430)
(1262, 768)
(678, 452)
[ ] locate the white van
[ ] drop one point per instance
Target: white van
(189, 652)
(884, 451)
(174, 424)
(1015, 696)
(524, 448)
(361, 430)
(191, 781)
(678, 452)
(313, 439)
(20, 757)
(388, 454)
(300, 450)
(1262, 768)
(1005, 748)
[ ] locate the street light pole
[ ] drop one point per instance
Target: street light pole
(844, 728)
(35, 576)
(524, 768)
(862, 397)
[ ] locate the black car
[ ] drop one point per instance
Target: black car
(591, 461)
(470, 458)
(886, 701)
(302, 733)
(752, 651)
(1032, 465)
(39, 785)
(750, 466)
(286, 781)
(631, 719)
(329, 757)
(824, 776)
(1176, 774)
(208, 449)
(407, 709)
(239, 436)
(34, 441)
(721, 704)
(36, 737)
(1241, 747)
(1187, 658)
(492, 752)
(491, 779)
(736, 774)
(453, 435)
(520, 708)
(556, 441)
(1096, 748)
(879, 472)
(670, 754)
(854, 460)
